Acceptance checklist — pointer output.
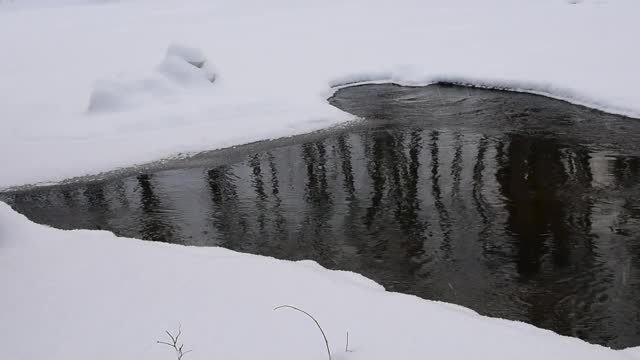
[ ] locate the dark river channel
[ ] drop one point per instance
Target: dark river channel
(514, 205)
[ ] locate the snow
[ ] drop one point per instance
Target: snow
(182, 68)
(633, 352)
(90, 86)
(192, 55)
(276, 62)
(26, 4)
(90, 295)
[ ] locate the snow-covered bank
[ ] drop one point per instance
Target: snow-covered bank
(277, 61)
(91, 295)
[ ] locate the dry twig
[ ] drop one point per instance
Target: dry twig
(179, 348)
(326, 342)
(346, 347)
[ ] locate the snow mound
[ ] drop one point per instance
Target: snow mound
(182, 68)
(178, 56)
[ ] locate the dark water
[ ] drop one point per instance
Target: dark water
(514, 205)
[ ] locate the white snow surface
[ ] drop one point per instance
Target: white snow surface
(276, 62)
(90, 295)
(183, 69)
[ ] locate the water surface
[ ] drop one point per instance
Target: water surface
(514, 205)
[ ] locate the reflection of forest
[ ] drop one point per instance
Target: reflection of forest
(153, 225)
(512, 225)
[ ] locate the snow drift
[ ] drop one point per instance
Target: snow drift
(183, 68)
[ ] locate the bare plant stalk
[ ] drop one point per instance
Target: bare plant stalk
(179, 348)
(326, 342)
(346, 347)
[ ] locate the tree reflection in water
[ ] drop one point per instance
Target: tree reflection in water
(526, 216)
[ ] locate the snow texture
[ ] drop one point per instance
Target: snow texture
(278, 61)
(27, 4)
(182, 68)
(89, 295)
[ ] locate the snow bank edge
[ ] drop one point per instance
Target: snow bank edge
(547, 90)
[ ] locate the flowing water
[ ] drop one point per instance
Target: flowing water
(514, 205)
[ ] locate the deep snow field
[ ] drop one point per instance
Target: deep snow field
(90, 86)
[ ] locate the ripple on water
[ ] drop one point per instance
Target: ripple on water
(514, 205)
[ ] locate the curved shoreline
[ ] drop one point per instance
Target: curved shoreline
(566, 95)
(167, 163)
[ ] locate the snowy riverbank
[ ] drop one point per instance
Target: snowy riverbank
(276, 62)
(90, 295)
